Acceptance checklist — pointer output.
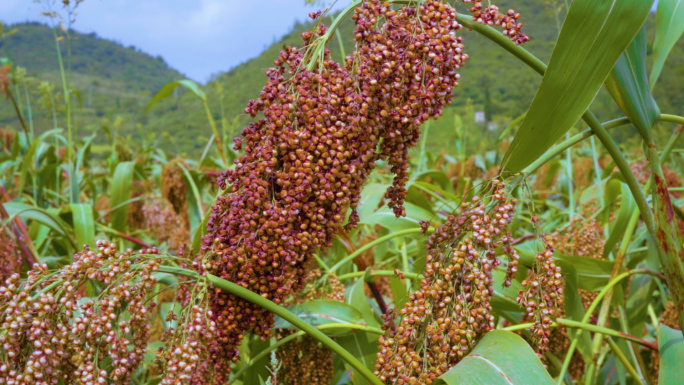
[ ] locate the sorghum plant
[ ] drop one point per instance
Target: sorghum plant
(452, 309)
(306, 160)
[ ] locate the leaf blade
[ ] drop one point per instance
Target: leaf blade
(593, 36)
(84, 224)
(628, 85)
(669, 27)
(121, 193)
(499, 358)
(671, 346)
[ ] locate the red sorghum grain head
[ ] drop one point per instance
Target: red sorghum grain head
(164, 224)
(10, 256)
(6, 139)
(452, 309)
(173, 187)
(52, 334)
(136, 217)
(508, 22)
(542, 295)
(305, 361)
(5, 81)
(320, 134)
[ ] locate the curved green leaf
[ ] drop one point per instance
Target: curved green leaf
(594, 34)
(500, 358)
(671, 347)
(669, 27)
(356, 297)
(505, 298)
(511, 126)
(323, 311)
(628, 85)
(39, 215)
(385, 218)
(259, 369)
(364, 346)
(371, 196)
(168, 89)
(28, 163)
(120, 193)
(84, 225)
(617, 229)
(438, 177)
(195, 210)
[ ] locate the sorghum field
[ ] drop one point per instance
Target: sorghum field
(331, 240)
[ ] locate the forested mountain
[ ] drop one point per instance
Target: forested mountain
(114, 81)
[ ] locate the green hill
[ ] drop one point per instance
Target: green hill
(492, 81)
(120, 82)
(110, 80)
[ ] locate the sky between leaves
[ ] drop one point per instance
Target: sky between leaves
(198, 38)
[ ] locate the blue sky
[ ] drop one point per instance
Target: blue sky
(196, 37)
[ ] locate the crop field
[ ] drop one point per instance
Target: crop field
(396, 192)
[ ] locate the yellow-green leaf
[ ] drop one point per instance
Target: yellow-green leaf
(84, 225)
(168, 89)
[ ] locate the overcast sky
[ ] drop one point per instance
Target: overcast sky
(196, 37)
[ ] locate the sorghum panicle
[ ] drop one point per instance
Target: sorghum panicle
(305, 361)
(452, 309)
(187, 357)
(10, 257)
(406, 61)
(307, 158)
(5, 80)
(542, 295)
(490, 15)
(173, 188)
(53, 334)
(164, 223)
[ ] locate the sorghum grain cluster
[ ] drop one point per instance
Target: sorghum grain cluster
(542, 295)
(50, 333)
(452, 309)
(173, 188)
(164, 223)
(490, 15)
(307, 157)
(10, 258)
(187, 357)
(305, 361)
(406, 61)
